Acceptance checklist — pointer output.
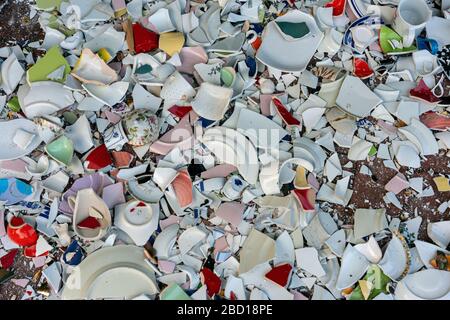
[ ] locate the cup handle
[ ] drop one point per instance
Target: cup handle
(71, 200)
(409, 39)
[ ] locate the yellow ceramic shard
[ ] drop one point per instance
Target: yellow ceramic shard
(300, 181)
(171, 42)
(105, 55)
(442, 184)
(366, 288)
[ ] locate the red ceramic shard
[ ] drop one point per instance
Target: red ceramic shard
(21, 233)
(435, 121)
(338, 7)
(180, 111)
(211, 280)
(144, 39)
(89, 223)
(30, 252)
(284, 113)
(306, 198)
(8, 259)
(182, 185)
(280, 274)
(99, 158)
(422, 92)
(257, 43)
(361, 68)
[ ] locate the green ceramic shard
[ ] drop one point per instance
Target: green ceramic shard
(48, 4)
(293, 29)
(227, 76)
(70, 117)
(372, 151)
(387, 34)
(52, 60)
(174, 292)
(61, 150)
(14, 104)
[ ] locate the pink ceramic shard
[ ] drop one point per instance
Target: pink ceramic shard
(190, 56)
(172, 219)
(166, 266)
(182, 185)
(435, 121)
(231, 212)
(220, 245)
(397, 184)
(2, 223)
(180, 136)
(219, 171)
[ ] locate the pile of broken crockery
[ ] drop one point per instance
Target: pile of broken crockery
(189, 149)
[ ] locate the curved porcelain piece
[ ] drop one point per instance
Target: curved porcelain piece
(189, 238)
(146, 191)
(80, 134)
(421, 136)
(428, 284)
(86, 199)
(395, 260)
(193, 276)
(232, 147)
(90, 68)
(137, 219)
(427, 252)
(336, 242)
(353, 266)
(165, 241)
(439, 232)
(39, 168)
(211, 101)
(109, 95)
(371, 250)
(11, 74)
(72, 42)
(85, 280)
(297, 52)
(9, 150)
(44, 98)
(314, 153)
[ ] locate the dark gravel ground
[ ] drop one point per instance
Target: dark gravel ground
(17, 27)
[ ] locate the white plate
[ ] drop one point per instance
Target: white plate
(82, 281)
(120, 283)
(8, 149)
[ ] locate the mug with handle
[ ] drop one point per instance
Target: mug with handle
(410, 19)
